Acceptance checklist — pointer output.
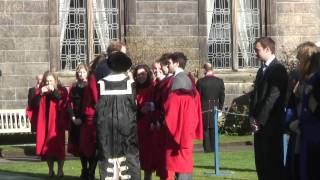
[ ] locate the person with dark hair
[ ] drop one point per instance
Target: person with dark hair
(88, 128)
(145, 91)
(293, 110)
(116, 121)
(51, 101)
(310, 115)
(75, 107)
(161, 94)
(157, 72)
(103, 69)
(183, 120)
(31, 111)
(211, 90)
(266, 111)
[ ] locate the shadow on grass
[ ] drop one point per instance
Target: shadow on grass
(226, 168)
(35, 175)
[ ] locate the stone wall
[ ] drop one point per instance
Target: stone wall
(28, 32)
(158, 26)
(293, 22)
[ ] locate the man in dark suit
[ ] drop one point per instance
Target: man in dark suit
(267, 105)
(212, 94)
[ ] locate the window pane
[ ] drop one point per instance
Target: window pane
(73, 29)
(106, 23)
(248, 30)
(219, 40)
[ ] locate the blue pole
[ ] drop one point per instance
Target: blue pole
(216, 141)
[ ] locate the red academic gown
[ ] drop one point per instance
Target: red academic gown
(161, 93)
(183, 120)
(88, 128)
(50, 140)
(145, 133)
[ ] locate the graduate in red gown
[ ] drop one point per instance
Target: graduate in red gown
(144, 95)
(88, 129)
(51, 122)
(183, 120)
(162, 90)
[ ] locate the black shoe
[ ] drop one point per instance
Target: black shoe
(51, 174)
(91, 178)
(84, 174)
(60, 174)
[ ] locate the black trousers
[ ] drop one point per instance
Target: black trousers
(268, 149)
(208, 140)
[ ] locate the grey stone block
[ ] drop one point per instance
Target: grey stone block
(11, 82)
(7, 94)
(188, 41)
(7, 44)
(22, 93)
(6, 31)
(36, 56)
(2, 6)
(14, 56)
(2, 59)
(31, 69)
(6, 19)
(183, 19)
(13, 6)
(35, 19)
(167, 7)
(36, 43)
(187, 7)
(16, 104)
(36, 6)
(134, 30)
(18, 19)
(167, 30)
(31, 31)
(147, 7)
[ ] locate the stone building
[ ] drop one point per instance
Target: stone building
(38, 35)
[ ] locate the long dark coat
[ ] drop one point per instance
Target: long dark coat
(267, 105)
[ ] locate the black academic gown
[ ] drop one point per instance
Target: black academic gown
(117, 127)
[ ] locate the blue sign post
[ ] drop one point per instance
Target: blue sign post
(216, 141)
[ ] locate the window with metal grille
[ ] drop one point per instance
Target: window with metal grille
(233, 27)
(74, 25)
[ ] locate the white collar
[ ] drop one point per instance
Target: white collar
(115, 77)
(270, 59)
(178, 70)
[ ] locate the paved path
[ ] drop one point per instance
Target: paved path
(9, 176)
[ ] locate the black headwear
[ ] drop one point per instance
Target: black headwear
(119, 62)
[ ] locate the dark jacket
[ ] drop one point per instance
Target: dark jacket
(212, 93)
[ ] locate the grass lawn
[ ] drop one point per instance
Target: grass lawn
(238, 164)
(231, 139)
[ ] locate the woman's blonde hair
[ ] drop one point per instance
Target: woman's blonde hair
(55, 77)
(79, 67)
(304, 54)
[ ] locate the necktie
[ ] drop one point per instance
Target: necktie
(264, 67)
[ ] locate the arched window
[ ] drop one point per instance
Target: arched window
(233, 27)
(76, 19)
